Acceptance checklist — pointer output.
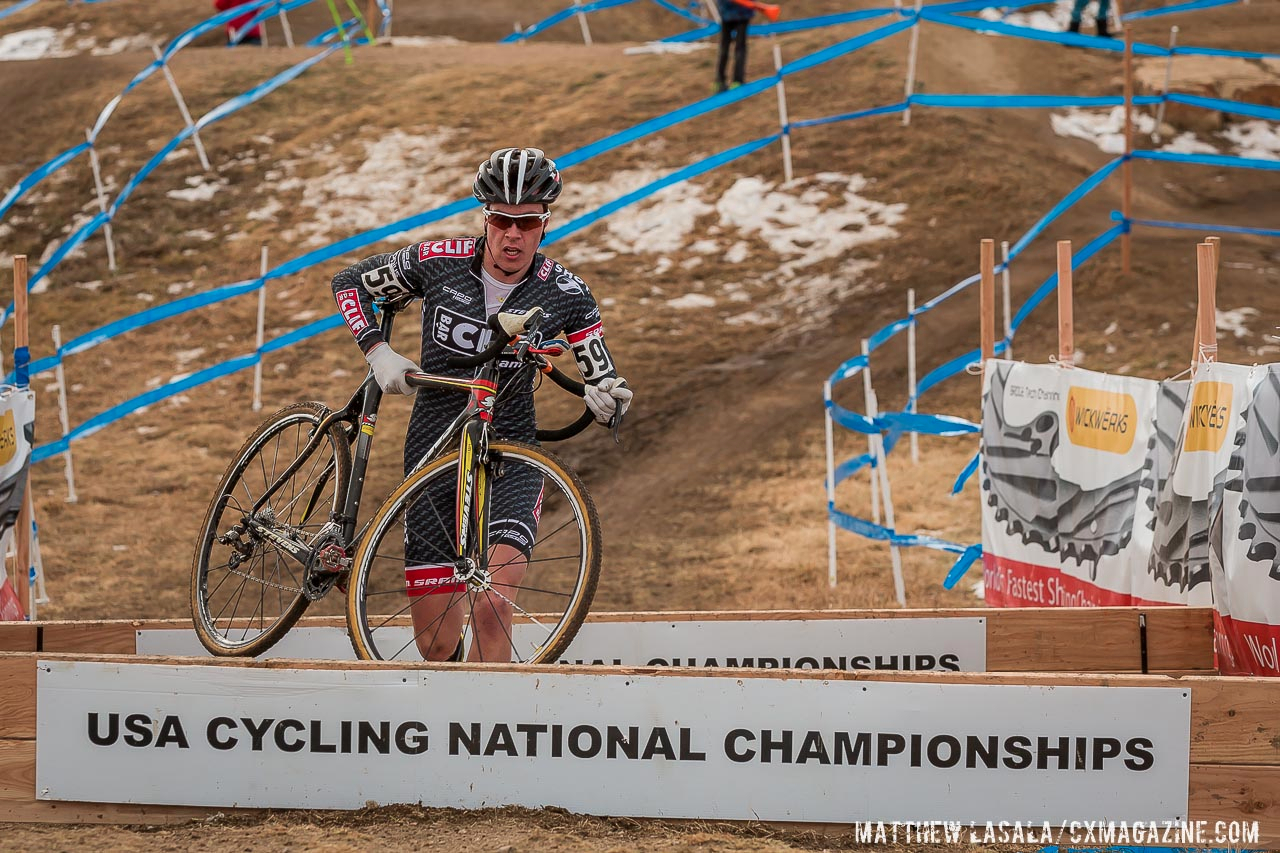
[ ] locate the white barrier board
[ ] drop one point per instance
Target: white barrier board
(787, 749)
(945, 644)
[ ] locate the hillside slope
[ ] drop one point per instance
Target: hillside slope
(728, 299)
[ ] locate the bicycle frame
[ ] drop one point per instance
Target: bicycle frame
(471, 427)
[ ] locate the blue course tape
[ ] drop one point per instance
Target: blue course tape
(842, 47)
(849, 368)
(1237, 107)
(880, 337)
(691, 171)
(1171, 10)
(874, 111)
(22, 366)
(17, 7)
(1086, 186)
(562, 15)
(1195, 226)
(1092, 248)
(870, 530)
(972, 466)
(851, 420)
(219, 112)
(23, 186)
(1076, 40)
(1217, 51)
(967, 559)
(1209, 160)
(684, 13)
(1005, 102)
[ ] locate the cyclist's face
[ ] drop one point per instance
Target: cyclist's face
(510, 249)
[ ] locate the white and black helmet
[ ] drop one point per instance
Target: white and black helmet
(517, 176)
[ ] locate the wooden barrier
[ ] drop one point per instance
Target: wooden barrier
(1234, 734)
(1174, 640)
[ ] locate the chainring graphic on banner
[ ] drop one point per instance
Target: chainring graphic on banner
(1031, 498)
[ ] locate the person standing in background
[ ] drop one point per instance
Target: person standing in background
(734, 18)
(252, 36)
(1077, 11)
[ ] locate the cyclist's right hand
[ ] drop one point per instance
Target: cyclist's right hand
(389, 368)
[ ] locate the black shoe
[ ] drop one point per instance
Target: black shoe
(1103, 32)
(1073, 27)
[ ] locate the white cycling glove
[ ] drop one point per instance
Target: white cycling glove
(607, 398)
(389, 368)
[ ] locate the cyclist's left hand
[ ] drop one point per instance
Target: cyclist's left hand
(607, 398)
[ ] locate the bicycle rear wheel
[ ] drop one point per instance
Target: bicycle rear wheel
(547, 602)
(245, 591)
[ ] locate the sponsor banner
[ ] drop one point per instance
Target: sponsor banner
(1243, 535)
(1065, 455)
(17, 435)
(944, 644)
(786, 749)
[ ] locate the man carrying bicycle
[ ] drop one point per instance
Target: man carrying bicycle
(462, 282)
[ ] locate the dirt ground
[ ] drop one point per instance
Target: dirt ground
(716, 498)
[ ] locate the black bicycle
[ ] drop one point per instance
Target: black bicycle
(421, 575)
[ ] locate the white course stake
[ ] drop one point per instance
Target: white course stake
(782, 115)
(895, 555)
(831, 486)
(582, 22)
(102, 201)
(284, 25)
(262, 315)
(1004, 285)
(911, 65)
(911, 369)
(182, 106)
(63, 417)
(867, 396)
(1168, 72)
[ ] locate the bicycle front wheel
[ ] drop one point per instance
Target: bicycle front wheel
(245, 591)
(411, 594)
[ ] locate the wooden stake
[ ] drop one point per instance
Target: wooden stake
(987, 263)
(22, 535)
(373, 18)
(1215, 244)
(1126, 169)
(1207, 326)
(1066, 322)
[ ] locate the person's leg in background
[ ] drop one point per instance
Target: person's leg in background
(740, 53)
(723, 63)
(1076, 11)
(1104, 9)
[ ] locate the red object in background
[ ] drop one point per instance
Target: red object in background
(767, 9)
(10, 607)
(235, 24)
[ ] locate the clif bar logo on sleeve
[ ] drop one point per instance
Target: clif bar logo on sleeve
(457, 248)
(1101, 420)
(349, 305)
(1210, 415)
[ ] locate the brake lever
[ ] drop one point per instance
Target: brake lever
(615, 425)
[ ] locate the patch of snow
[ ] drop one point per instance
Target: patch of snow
(1111, 329)
(663, 47)
(89, 285)
(423, 41)
(1234, 321)
(38, 43)
(1105, 129)
(737, 253)
(198, 189)
(145, 297)
(660, 223)
(147, 430)
(691, 300)
(200, 233)
(179, 286)
(186, 356)
(266, 213)
(400, 174)
(828, 219)
(118, 45)
(1255, 138)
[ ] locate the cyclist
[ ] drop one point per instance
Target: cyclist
(462, 282)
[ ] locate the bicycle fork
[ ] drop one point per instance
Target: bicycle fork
(471, 511)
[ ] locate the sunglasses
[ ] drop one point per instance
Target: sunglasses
(525, 221)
